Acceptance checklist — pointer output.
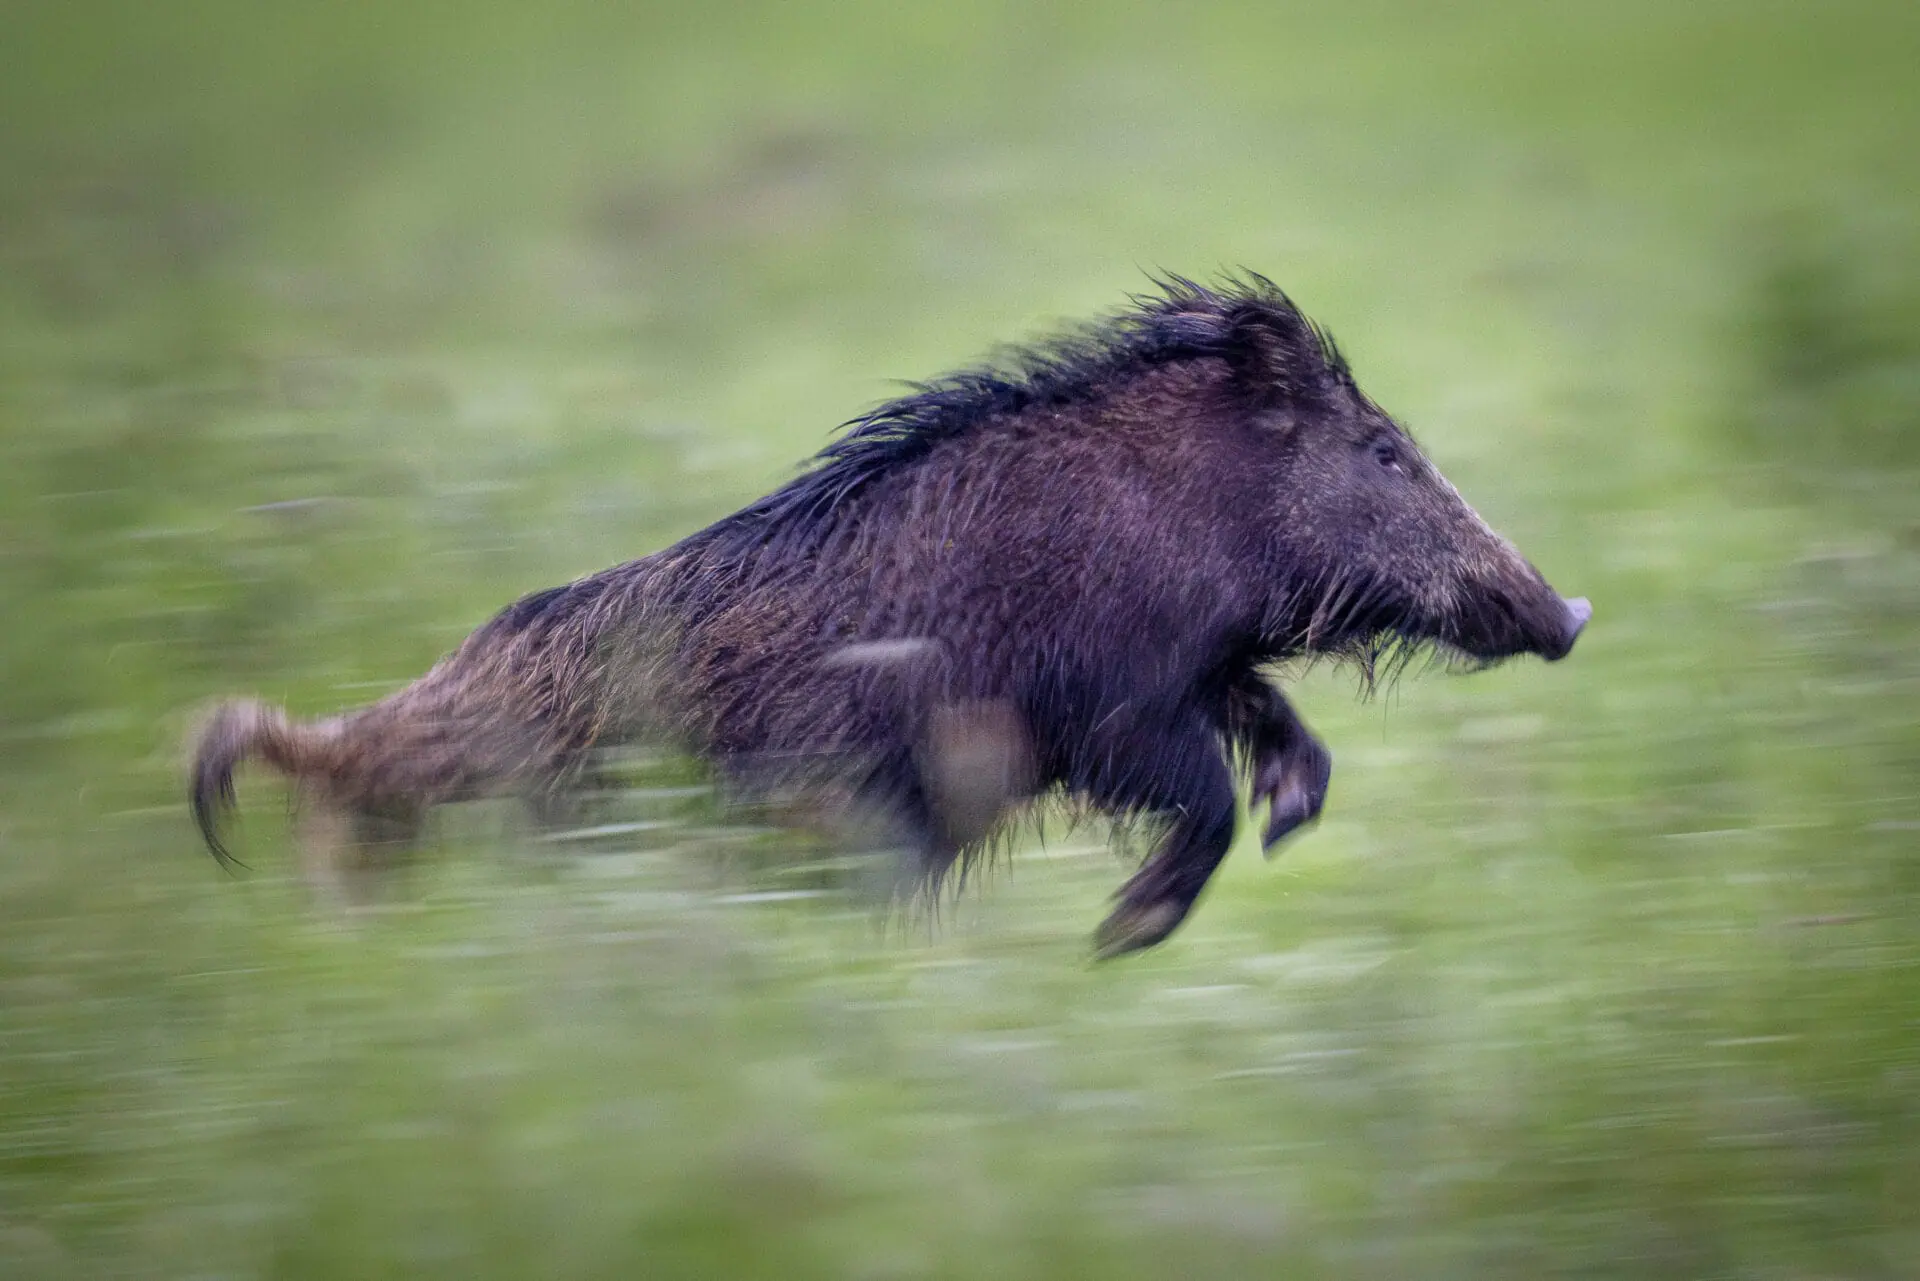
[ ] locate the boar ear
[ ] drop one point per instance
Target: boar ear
(1276, 354)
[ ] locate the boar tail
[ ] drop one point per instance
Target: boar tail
(234, 733)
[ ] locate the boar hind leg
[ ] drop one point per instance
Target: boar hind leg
(559, 801)
(1291, 768)
(1183, 780)
(344, 851)
(975, 764)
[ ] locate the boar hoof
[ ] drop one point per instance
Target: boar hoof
(1134, 926)
(1294, 786)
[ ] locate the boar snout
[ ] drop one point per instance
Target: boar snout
(1578, 611)
(1501, 620)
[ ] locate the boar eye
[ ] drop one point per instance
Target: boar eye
(1386, 455)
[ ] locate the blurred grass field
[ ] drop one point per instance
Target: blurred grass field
(325, 330)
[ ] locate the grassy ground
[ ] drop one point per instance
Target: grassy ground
(324, 331)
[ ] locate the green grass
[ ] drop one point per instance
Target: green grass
(326, 330)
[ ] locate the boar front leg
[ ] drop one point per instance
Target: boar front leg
(1290, 766)
(1175, 773)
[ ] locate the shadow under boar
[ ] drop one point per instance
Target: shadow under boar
(1061, 574)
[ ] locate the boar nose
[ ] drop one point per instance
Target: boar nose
(1579, 610)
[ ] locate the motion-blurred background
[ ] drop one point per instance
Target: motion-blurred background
(325, 330)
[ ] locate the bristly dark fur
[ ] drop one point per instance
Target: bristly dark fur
(1185, 321)
(1064, 573)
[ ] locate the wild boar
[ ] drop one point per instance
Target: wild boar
(1064, 573)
